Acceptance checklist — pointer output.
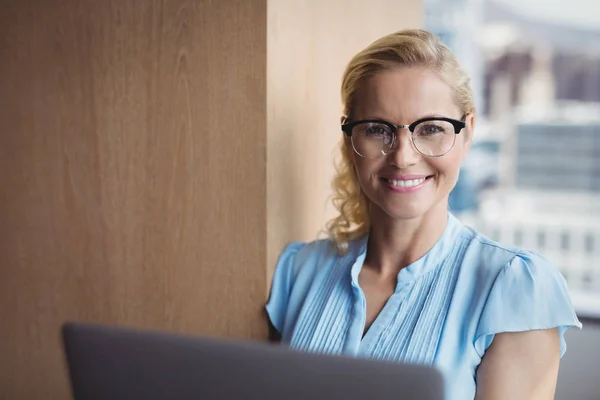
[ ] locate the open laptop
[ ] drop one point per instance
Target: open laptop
(111, 363)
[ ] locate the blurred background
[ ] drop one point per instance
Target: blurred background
(532, 178)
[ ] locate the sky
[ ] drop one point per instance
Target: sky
(584, 13)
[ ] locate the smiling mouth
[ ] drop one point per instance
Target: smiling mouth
(408, 183)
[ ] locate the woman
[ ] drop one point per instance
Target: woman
(400, 278)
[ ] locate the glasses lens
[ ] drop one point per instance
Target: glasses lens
(372, 140)
(434, 138)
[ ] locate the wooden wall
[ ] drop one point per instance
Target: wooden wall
(156, 155)
(309, 44)
(132, 174)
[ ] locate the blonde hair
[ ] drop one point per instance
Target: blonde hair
(407, 48)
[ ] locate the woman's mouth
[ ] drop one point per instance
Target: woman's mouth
(406, 183)
(409, 184)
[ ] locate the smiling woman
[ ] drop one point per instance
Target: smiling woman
(426, 150)
(400, 278)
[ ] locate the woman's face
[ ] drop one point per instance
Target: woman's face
(405, 184)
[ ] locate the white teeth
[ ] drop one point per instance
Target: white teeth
(407, 183)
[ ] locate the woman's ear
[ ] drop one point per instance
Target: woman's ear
(469, 131)
(471, 121)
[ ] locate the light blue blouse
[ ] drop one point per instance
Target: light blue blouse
(445, 310)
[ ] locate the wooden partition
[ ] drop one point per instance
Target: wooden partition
(155, 156)
(133, 190)
(309, 44)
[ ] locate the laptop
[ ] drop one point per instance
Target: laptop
(117, 363)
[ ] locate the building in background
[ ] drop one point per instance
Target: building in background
(559, 152)
(532, 178)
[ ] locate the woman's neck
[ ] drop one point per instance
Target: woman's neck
(394, 244)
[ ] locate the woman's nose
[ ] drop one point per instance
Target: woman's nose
(404, 153)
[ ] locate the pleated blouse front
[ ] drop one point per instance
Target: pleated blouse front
(445, 310)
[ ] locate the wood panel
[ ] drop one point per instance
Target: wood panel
(309, 44)
(133, 173)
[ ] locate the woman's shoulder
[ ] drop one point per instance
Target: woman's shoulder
(526, 292)
(489, 264)
(517, 289)
(299, 252)
(495, 256)
(313, 255)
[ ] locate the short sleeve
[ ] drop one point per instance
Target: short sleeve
(529, 293)
(281, 286)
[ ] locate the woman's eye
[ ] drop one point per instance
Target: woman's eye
(377, 130)
(430, 129)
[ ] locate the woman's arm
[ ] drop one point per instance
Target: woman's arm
(274, 335)
(520, 365)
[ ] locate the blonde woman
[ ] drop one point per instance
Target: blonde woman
(400, 278)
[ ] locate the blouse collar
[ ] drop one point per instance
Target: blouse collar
(440, 250)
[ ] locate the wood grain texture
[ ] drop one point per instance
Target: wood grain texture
(133, 174)
(309, 44)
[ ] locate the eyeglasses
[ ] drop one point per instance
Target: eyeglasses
(432, 136)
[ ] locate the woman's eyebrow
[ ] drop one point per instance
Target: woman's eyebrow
(380, 118)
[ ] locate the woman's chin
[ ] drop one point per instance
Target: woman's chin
(406, 211)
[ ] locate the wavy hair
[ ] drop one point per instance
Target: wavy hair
(407, 48)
